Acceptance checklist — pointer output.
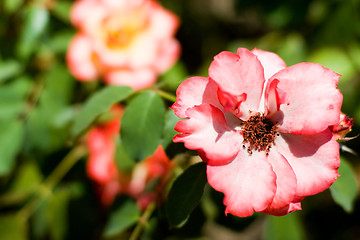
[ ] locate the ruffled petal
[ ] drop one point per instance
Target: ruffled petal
(87, 15)
(271, 62)
(293, 206)
(285, 181)
(248, 183)
(237, 74)
(314, 102)
(168, 54)
(274, 97)
(163, 23)
(314, 159)
(80, 59)
(195, 91)
(137, 79)
(206, 130)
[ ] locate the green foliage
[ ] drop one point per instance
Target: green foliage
(9, 69)
(97, 104)
(122, 218)
(345, 189)
(284, 228)
(142, 125)
(35, 21)
(185, 194)
(11, 139)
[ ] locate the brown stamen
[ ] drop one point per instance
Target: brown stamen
(259, 133)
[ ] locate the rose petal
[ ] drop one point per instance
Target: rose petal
(293, 206)
(139, 79)
(285, 182)
(271, 62)
(313, 158)
(163, 22)
(206, 130)
(168, 54)
(274, 97)
(80, 59)
(248, 182)
(237, 74)
(314, 101)
(101, 165)
(80, 17)
(195, 91)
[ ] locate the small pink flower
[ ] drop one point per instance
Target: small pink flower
(263, 129)
(101, 167)
(125, 42)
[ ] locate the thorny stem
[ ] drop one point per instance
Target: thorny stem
(143, 221)
(46, 188)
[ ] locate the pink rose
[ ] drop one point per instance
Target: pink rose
(124, 42)
(263, 129)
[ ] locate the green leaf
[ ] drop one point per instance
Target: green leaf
(11, 139)
(9, 69)
(142, 125)
(13, 96)
(12, 227)
(344, 190)
(97, 104)
(169, 132)
(284, 228)
(185, 194)
(123, 161)
(122, 218)
(35, 22)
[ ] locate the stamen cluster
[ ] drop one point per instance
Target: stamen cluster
(259, 133)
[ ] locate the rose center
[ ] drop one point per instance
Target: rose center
(259, 133)
(120, 30)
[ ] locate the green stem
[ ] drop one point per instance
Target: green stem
(65, 165)
(166, 95)
(45, 189)
(142, 221)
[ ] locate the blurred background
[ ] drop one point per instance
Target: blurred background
(38, 98)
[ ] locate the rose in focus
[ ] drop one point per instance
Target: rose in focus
(263, 129)
(143, 183)
(124, 42)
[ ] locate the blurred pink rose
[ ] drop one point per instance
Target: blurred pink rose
(109, 180)
(263, 129)
(124, 42)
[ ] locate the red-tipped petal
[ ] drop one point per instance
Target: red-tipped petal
(206, 130)
(314, 102)
(248, 183)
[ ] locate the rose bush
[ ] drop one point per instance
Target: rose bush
(263, 129)
(124, 42)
